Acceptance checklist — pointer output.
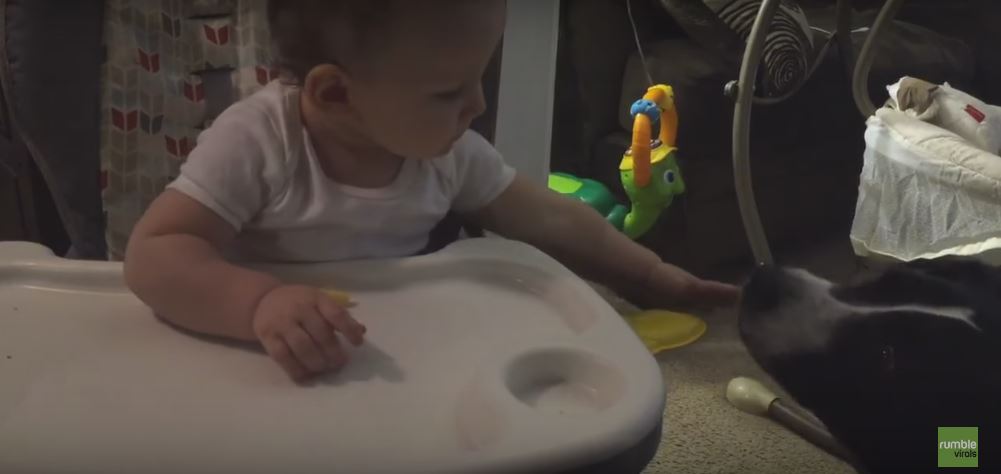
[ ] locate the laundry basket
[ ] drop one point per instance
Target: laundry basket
(925, 192)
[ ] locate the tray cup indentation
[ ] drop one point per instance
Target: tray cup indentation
(564, 381)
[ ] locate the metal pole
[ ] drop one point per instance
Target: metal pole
(860, 81)
(844, 37)
(742, 132)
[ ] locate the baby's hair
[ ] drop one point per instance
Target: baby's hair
(308, 33)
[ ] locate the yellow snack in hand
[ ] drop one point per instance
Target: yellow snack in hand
(340, 297)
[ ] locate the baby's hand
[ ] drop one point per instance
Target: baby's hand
(670, 287)
(298, 326)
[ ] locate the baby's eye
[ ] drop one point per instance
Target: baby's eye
(448, 95)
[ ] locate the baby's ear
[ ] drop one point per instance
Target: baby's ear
(326, 85)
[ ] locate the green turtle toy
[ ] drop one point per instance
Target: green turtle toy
(649, 169)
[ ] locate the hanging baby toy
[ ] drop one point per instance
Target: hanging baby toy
(648, 170)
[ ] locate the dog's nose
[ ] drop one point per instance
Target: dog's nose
(762, 291)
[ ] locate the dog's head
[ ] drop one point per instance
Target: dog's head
(885, 361)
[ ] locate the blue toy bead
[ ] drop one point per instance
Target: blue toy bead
(645, 107)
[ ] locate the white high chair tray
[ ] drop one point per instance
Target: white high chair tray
(486, 356)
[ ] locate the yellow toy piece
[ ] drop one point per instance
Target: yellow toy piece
(662, 96)
(661, 330)
(656, 156)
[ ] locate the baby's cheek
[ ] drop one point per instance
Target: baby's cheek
(439, 126)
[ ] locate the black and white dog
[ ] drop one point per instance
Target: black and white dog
(887, 361)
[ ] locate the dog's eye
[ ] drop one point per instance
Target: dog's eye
(887, 358)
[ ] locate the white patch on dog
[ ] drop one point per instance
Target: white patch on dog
(805, 322)
(959, 313)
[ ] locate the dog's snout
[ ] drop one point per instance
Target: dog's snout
(762, 291)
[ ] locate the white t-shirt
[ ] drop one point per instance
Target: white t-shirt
(255, 167)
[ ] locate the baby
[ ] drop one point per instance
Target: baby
(359, 154)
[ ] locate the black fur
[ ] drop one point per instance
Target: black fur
(884, 381)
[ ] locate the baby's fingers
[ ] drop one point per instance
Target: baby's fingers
(305, 349)
(322, 332)
(280, 353)
(341, 319)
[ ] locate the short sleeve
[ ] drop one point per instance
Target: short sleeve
(481, 174)
(233, 169)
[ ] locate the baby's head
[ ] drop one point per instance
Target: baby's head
(405, 75)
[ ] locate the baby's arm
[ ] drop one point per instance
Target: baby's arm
(585, 242)
(173, 264)
(491, 194)
(568, 230)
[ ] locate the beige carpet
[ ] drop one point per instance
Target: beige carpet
(703, 433)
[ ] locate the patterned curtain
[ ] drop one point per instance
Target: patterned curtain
(155, 100)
